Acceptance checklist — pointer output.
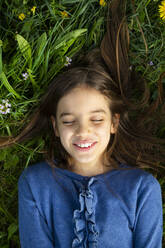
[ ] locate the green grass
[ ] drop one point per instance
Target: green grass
(38, 45)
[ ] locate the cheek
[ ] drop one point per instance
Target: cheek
(105, 132)
(65, 134)
(105, 129)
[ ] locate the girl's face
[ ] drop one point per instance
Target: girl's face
(84, 126)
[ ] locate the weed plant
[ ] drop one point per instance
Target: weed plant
(38, 39)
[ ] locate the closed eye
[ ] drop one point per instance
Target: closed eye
(68, 122)
(71, 122)
(97, 120)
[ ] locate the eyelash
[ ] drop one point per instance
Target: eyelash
(70, 122)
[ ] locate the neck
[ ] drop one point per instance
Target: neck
(88, 171)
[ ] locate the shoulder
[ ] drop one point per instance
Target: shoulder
(138, 178)
(36, 173)
(136, 173)
(135, 186)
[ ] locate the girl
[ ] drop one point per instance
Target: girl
(93, 192)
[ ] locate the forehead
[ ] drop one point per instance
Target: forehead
(81, 100)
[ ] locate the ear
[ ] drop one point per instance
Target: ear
(54, 125)
(115, 123)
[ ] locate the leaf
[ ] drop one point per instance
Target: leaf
(12, 229)
(72, 35)
(11, 161)
(5, 82)
(69, 1)
(27, 26)
(96, 29)
(0, 59)
(25, 48)
(2, 235)
(3, 154)
(41, 45)
(66, 46)
(31, 76)
(46, 61)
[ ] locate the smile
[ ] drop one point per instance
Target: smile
(85, 147)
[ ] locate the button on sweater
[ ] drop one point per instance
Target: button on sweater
(58, 208)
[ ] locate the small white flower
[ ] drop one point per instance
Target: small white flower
(8, 105)
(151, 63)
(1, 106)
(25, 75)
(2, 112)
(7, 110)
(68, 61)
(130, 68)
(5, 101)
(5, 107)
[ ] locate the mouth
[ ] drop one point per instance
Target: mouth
(85, 147)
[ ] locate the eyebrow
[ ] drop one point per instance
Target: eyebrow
(91, 112)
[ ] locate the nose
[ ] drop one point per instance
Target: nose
(83, 128)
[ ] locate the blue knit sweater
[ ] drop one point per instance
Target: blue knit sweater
(61, 209)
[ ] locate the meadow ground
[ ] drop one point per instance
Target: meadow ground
(38, 39)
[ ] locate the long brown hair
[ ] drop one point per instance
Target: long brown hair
(107, 70)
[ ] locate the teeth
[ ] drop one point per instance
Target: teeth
(85, 145)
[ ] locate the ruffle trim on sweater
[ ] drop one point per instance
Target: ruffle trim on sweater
(84, 220)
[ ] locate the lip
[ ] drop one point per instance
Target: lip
(84, 149)
(83, 142)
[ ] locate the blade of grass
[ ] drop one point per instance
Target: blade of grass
(41, 45)
(72, 35)
(5, 82)
(0, 59)
(25, 48)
